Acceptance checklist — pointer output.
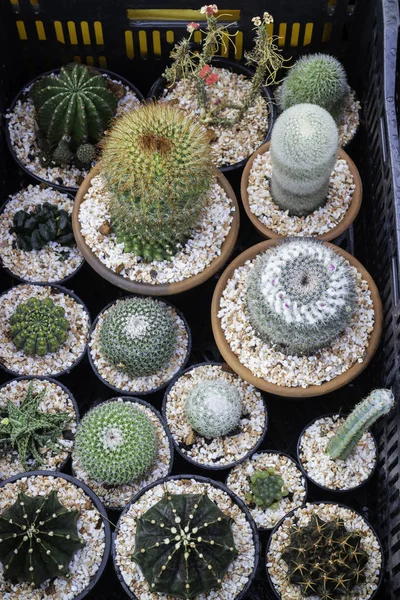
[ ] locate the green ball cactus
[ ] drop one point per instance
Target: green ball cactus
(45, 223)
(184, 545)
(138, 336)
(300, 295)
(116, 443)
(304, 150)
(267, 488)
(315, 79)
(157, 166)
(38, 326)
(38, 539)
(85, 155)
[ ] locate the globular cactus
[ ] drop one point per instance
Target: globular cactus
(300, 295)
(315, 79)
(304, 150)
(38, 539)
(184, 545)
(157, 166)
(38, 326)
(138, 336)
(359, 421)
(45, 223)
(213, 408)
(116, 443)
(267, 488)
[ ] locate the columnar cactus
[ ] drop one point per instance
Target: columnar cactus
(300, 295)
(138, 336)
(184, 545)
(213, 408)
(116, 443)
(359, 421)
(304, 148)
(267, 488)
(45, 223)
(38, 539)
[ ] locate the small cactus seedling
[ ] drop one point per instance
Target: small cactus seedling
(267, 488)
(184, 545)
(38, 539)
(45, 223)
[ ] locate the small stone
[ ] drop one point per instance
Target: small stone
(190, 438)
(105, 228)
(119, 268)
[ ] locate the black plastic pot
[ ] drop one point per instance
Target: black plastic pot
(156, 92)
(188, 458)
(22, 95)
(127, 392)
(98, 505)
(235, 499)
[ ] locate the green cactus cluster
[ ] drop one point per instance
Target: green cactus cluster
(267, 488)
(116, 443)
(184, 545)
(36, 228)
(38, 326)
(38, 539)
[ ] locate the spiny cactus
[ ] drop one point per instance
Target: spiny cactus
(38, 326)
(359, 421)
(27, 429)
(325, 560)
(315, 79)
(267, 488)
(304, 149)
(38, 539)
(300, 295)
(157, 166)
(116, 443)
(213, 408)
(36, 228)
(184, 545)
(138, 336)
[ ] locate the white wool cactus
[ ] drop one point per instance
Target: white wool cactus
(213, 408)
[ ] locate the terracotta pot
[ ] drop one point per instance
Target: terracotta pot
(164, 289)
(293, 392)
(344, 224)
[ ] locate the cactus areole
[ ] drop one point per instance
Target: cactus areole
(184, 545)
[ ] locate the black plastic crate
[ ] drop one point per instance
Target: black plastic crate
(123, 36)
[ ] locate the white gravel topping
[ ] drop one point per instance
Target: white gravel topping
(239, 571)
(86, 561)
(335, 474)
(302, 516)
(221, 451)
(123, 381)
(199, 251)
(53, 363)
(238, 482)
(54, 262)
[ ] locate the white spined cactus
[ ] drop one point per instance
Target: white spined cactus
(213, 408)
(304, 150)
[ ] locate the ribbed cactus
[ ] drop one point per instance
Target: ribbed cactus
(267, 488)
(300, 295)
(45, 223)
(304, 149)
(359, 421)
(38, 539)
(157, 166)
(184, 545)
(38, 326)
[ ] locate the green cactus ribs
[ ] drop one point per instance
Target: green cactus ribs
(38, 326)
(38, 539)
(267, 488)
(45, 223)
(184, 545)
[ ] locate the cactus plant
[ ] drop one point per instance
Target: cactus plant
(156, 164)
(300, 295)
(304, 149)
(38, 326)
(45, 223)
(138, 336)
(184, 545)
(325, 560)
(38, 539)
(27, 429)
(359, 421)
(213, 408)
(267, 488)
(116, 443)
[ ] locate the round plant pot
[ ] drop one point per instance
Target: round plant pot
(156, 92)
(22, 94)
(204, 480)
(100, 508)
(344, 224)
(293, 392)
